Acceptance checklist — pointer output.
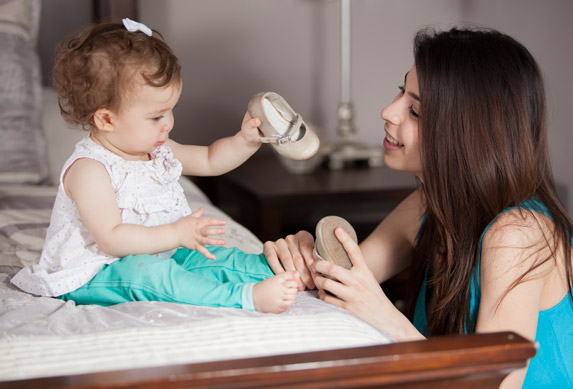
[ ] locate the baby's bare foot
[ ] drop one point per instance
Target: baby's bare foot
(275, 294)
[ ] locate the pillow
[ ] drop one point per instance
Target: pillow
(23, 157)
(60, 137)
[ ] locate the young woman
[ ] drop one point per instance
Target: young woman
(487, 241)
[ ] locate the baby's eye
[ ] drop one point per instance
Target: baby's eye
(157, 118)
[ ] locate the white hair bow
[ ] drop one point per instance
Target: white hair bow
(132, 26)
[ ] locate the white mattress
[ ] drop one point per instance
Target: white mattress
(42, 336)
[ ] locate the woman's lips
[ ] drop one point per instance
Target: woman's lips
(391, 144)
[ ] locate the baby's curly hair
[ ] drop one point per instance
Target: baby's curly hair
(95, 69)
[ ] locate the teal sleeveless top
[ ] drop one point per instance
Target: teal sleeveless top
(552, 366)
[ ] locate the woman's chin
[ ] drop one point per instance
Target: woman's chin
(390, 160)
(394, 164)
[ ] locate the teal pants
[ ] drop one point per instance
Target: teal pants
(187, 278)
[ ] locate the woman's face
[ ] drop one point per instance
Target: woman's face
(403, 139)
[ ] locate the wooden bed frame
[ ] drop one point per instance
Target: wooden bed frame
(481, 360)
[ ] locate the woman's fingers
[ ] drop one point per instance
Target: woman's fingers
(350, 246)
(270, 250)
(299, 248)
(306, 246)
(332, 288)
(330, 299)
(291, 254)
(333, 271)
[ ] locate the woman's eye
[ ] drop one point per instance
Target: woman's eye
(411, 107)
(412, 112)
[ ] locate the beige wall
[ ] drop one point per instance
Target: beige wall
(231, 49)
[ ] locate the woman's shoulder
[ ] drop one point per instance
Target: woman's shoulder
(518, 242)
(519, 227)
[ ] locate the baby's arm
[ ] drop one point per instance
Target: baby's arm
(88, 185)
(221, 156)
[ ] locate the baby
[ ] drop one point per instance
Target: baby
(121, 229)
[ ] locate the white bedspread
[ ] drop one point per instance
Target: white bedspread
(42, 336)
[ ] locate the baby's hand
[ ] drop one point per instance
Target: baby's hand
(196, 232)
(249, 130)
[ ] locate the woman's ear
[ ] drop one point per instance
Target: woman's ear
(103, 120)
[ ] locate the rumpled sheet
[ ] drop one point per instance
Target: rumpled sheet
(42, 336)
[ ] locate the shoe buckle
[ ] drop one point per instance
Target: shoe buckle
(282, 139)
(279, 139)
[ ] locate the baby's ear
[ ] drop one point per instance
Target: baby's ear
(102, 120)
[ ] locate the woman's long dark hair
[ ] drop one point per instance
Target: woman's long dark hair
(484, 149)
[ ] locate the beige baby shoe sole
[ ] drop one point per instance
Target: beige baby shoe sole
(327, 247)
(283, 127)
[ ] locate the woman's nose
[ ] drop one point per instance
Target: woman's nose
(390, 114)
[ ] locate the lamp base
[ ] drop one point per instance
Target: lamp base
(348, 152)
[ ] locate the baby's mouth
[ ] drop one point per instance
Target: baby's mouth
(393, 141)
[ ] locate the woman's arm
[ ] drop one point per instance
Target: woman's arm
(387, 249)
(88, 185)
(515, 244)
(221, 156)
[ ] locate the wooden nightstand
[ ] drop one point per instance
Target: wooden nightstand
(263, 196)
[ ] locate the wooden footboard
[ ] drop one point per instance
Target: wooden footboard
(481, 360)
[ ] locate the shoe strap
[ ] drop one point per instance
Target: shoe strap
(282, 139)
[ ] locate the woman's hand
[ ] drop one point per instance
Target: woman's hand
(197, 232)
(357, 291)
(292, 253)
